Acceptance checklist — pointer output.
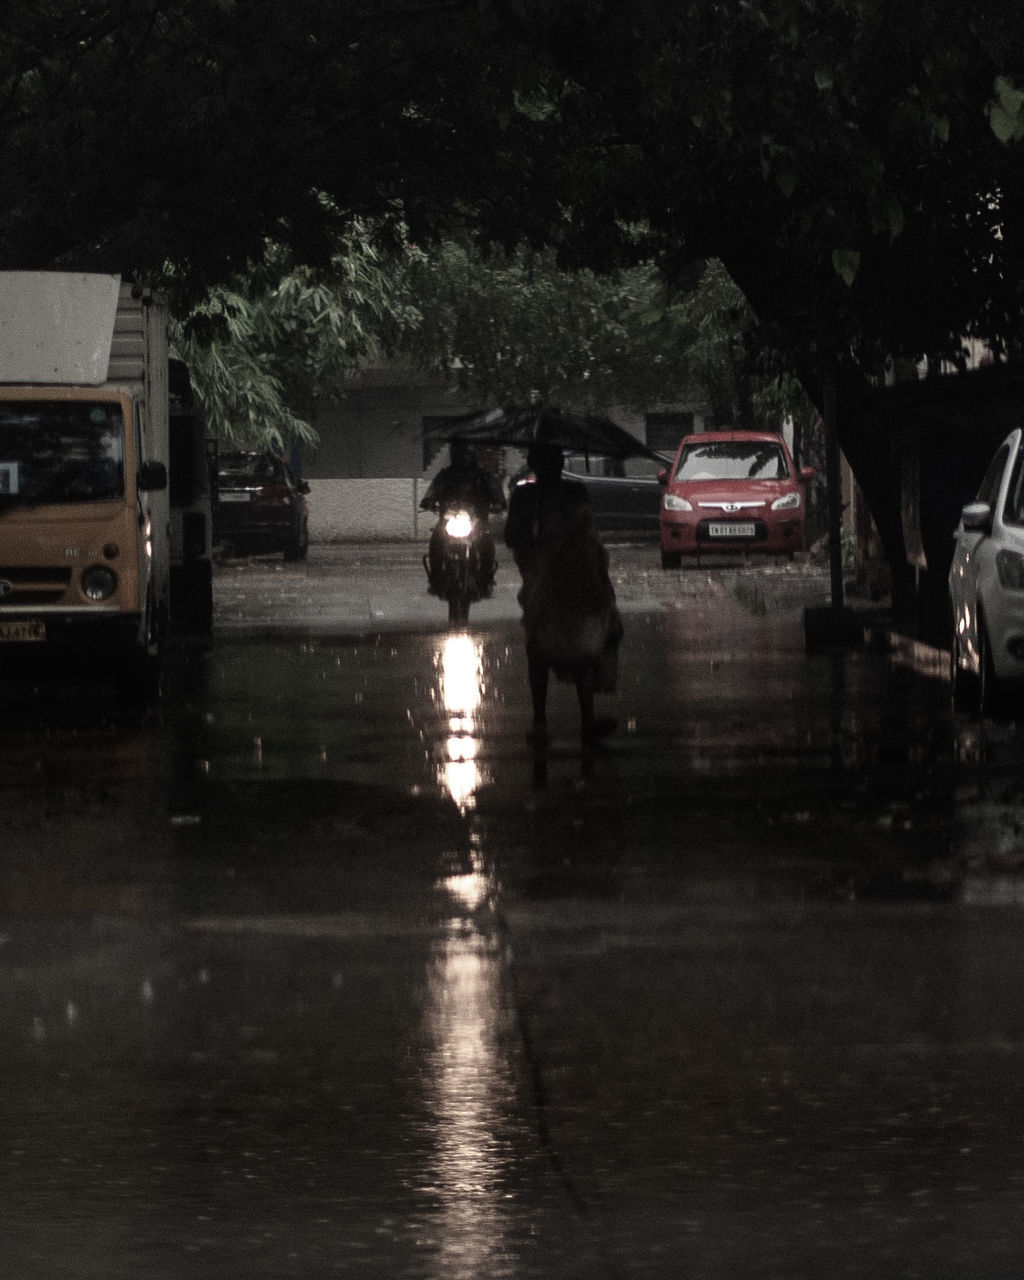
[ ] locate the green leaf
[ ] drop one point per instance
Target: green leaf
(896, 216)
(1010, 97)
(1006, 112)
(1004, 125)
(846, 263)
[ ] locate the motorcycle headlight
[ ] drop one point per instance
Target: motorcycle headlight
(1010, 568)
(459, 524)
(789, 503)
(673, 502)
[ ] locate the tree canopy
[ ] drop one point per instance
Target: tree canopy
(265, 347)
(838, 155)
(512, 327)
(136, 133)
(853, 163)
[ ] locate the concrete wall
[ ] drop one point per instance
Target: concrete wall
(376, 431)
(358, 510)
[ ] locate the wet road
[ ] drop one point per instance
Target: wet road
(327, 972)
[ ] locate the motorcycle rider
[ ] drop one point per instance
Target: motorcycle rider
(464, 483)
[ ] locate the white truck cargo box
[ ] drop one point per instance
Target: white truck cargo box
(56, 328)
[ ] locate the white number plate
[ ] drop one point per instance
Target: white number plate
(235, 497)
(20, 632)
(735, 529)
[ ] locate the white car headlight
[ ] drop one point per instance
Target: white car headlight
(789, 503)
(1010, 568)
(674, 503)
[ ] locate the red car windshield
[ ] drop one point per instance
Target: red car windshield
(733, 460)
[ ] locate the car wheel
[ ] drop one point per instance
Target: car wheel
(991, 697)
(671, 559)
(299, 547)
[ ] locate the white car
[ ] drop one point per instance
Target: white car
(986, 589)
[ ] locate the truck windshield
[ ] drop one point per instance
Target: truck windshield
(61, 451)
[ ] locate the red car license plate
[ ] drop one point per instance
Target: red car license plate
(734, 529)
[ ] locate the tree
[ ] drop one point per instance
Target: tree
(832, 153)
(139, 132)
(264, 348)
(845, 159)
(510, 327)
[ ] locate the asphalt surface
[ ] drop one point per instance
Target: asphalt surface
(325, 971)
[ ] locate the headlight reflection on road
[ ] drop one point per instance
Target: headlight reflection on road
(460, 668)
(469, 1095)
(466, 1019)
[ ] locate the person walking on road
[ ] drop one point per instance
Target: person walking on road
(568, 601)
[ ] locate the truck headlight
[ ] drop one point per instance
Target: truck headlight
(99, 582)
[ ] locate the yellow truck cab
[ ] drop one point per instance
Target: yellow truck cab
(84, 560)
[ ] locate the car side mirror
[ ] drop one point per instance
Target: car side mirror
(977, 517)
(663, 476)
(302, 486)
(152, 476)
(807, 474)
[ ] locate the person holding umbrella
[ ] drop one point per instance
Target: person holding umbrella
(568, 601)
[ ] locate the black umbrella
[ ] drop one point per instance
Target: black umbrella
(523, 425)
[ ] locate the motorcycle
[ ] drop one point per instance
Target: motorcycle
(460, 564)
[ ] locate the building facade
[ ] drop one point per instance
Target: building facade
(372, 465)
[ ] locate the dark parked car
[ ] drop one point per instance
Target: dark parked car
(624, 492)
(260, 505)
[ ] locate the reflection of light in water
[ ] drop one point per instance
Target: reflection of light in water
(469, 1098)
(468, 889)
(461, 672)
(468, 1083)
(461, 669)
(460, 771)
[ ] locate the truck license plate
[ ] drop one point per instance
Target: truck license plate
(21, 632)
(732, 530)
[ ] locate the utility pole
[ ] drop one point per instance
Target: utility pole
(835, 625)
(834, 489)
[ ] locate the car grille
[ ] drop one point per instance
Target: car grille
(32, 585)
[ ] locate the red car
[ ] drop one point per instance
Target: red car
(732, 491)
